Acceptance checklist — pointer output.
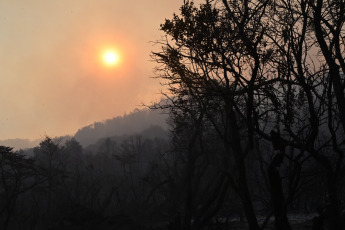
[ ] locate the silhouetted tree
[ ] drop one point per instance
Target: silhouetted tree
(255, 66)
(50, 157)
(19, 175)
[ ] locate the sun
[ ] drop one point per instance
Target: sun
(110, 58)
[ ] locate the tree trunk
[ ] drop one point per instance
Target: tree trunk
(332, 211)
(187, 217)
(245, 197)
(277, 194)
(332, 217)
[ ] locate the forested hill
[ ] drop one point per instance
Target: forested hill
(20, 143)
(136, 122)
(152, 133)
(133, 123)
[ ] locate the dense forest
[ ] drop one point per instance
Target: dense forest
(254, 93)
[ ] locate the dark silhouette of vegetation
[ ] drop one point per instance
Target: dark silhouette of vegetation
(18, 176)
(254, 93)
(263, 71)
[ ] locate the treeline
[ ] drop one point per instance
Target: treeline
(64, 186)
(135, 182)
(133, 122)
(255, 96)
(129, 123)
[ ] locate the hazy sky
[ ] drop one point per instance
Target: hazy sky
(52, 79)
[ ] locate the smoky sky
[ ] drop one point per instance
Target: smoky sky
(51, 79)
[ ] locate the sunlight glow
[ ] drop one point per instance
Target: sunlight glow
(110, 57)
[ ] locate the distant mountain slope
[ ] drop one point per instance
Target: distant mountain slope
(20, 143)
(151, 133)
(133, 123)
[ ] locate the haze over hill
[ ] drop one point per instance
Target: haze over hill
(20, 143)
(133, 123)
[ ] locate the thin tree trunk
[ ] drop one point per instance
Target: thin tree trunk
(332, 211)
(245, 198)
(277, 194)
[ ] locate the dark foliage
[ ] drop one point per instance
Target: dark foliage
(254, 91)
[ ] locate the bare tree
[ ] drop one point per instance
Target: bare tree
(257, 68)
(18, 176)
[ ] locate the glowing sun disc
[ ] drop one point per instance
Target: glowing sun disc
(110, 58)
